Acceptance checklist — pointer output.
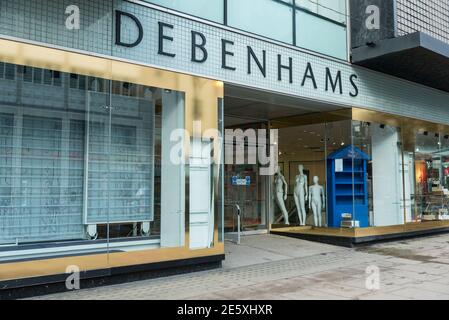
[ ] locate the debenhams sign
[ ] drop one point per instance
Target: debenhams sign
(255, 61)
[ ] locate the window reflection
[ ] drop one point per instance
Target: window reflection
(81, 159)
(430, 160)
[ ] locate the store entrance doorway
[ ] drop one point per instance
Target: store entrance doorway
(245, 190)
(301, 143)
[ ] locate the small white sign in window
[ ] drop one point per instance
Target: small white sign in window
(339, 165)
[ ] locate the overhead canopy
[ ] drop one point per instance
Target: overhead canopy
(417, 57)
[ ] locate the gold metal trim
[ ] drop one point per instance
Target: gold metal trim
(407, 124)
(48, 267)
(365, 232)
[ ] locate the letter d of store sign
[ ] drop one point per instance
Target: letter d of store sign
(118, 29)
(73, 20)
(372, 22)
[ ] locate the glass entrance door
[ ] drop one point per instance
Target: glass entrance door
(244, 186)
(247, 189)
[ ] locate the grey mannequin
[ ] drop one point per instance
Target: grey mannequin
(317, 201)
(301, 195)
(281, 193)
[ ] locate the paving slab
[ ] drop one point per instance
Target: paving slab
(419, 294)
(274, 267)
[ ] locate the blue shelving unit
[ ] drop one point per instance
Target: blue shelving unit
(347, 189)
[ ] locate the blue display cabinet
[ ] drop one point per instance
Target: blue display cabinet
(347, 188)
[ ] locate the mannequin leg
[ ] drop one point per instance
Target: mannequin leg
(319, 212)
(315, 214)
(302, 204)
(298, 208)
(281, 204)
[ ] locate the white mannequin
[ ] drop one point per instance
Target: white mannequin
(301, 194)
(281, 193)
(317, 201)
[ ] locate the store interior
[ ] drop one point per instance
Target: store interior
(249, 109)
(338, 168)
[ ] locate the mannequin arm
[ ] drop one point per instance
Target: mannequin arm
(306, 186)
(323, 196)
(310, 200)
(286, 188)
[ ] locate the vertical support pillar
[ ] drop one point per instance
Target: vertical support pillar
(173, 208)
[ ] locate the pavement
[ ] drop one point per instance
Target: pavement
(273, 267)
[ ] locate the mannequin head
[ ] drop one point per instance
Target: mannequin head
(301, 169)
(316, 180)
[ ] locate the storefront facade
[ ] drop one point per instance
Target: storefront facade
(94, 119)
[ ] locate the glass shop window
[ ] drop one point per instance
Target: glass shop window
(10, 71)
(73, 81)
(2, 70)
(27, 74)
(87, 164)
(37, 75)
(429, 164)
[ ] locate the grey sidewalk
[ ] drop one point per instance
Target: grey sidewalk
(271, 267)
